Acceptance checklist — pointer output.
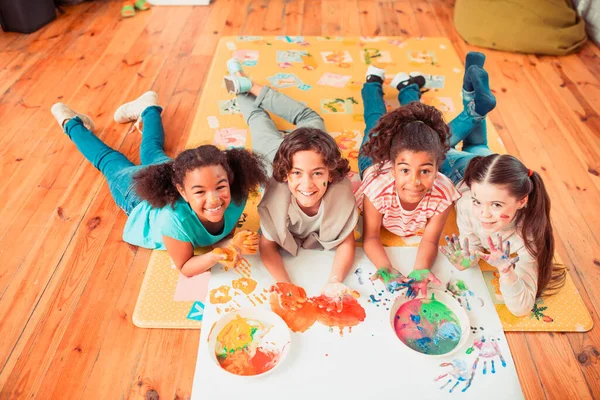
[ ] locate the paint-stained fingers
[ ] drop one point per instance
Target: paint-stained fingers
(491, 244)
(500, 244)
(466, 251)
(483, 256)
(446, 252)
(507, 249)
(450, 244)
(456, 242)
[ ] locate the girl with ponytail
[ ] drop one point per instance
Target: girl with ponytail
(504, 217)
(175, 205)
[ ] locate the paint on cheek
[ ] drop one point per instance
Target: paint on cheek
(504, 216)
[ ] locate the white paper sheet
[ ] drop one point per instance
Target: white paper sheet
(370, 361)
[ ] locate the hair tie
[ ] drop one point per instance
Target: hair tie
(530, 173)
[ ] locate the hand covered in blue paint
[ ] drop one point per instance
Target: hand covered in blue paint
(499, 256)
(334, 293)
(461, 257)
(418, 280)
(391, 278)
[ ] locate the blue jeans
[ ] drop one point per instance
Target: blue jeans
(468, 127)
(115, 167)
(374, 108)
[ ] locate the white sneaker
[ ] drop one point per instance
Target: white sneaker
(373, 70)
(400, 77)
(133, 110)
(62, 113)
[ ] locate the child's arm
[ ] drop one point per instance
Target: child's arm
(184, 259)
(343, 260)
(270, 256)
(428, 248)
(371, 236)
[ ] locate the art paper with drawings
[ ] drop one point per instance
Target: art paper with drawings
(368, 359)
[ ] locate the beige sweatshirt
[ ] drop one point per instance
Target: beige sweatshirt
(519, 285)
(277, 213)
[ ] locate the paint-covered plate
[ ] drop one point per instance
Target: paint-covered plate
(248, 342)
(435, 325)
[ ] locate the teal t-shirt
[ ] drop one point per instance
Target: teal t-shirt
(146, 225)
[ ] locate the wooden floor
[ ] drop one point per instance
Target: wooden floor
(68, 284)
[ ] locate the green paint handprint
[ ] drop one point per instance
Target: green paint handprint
(418, 280)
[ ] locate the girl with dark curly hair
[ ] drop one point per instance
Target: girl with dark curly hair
(399, 161)
(308, 202)
(192, 201)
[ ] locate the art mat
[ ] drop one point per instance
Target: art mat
(218, 121)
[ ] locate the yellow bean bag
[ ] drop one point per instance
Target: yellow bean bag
(528, 26)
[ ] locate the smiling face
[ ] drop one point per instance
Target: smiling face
(415, 174)
(206, 189)
(308, 180)
(494, 207)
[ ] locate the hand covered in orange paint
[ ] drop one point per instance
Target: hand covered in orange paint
(333, 295)
(291, 297)
(231, 257)
(246, 241)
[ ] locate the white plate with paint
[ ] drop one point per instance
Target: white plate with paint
(433, 327)
(249, 342)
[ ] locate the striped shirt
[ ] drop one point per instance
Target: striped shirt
(381, 191)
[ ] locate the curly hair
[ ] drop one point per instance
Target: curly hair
(533, 221)
(157, 184)
(303, 139)
(414, 127)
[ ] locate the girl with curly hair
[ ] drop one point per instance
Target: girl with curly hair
(192, 201)
(399, 159)
(308, 202)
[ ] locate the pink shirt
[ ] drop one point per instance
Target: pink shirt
(381, 191)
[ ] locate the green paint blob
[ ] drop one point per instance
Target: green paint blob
(434, 312)
(462, 285)
(465, 262)
(385, 275)
(419, 274)
(470, 350)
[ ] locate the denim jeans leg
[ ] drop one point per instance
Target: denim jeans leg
(117, 169)
(455, 164)
(374, 108)
(408, 94)
(152, 148)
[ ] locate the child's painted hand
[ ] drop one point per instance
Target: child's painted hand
(333, 296)
(460, 257)
(246, 241)
(291, 297)
(231, 257)
(499, 256)
(418, 280)
(391, 278)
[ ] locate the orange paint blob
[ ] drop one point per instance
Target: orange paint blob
(246, 285)
(245, 362)
(298, 320)
(313, 309)
(351, 315)
(220, 295)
